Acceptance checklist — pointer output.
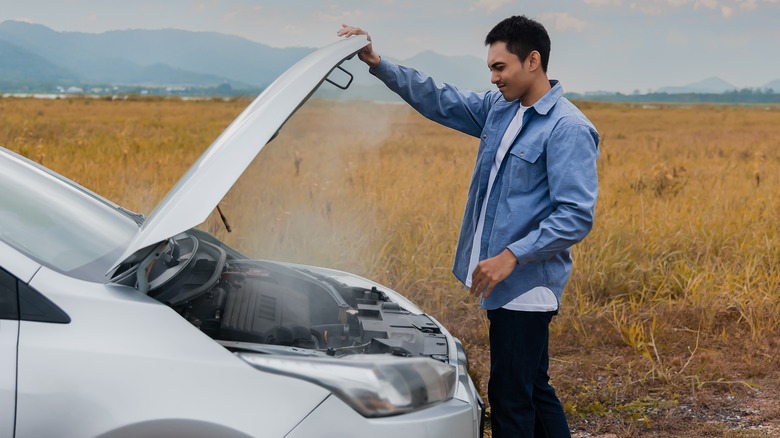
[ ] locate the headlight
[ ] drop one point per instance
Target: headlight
(375, 386)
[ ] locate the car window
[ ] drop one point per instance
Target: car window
(59, 225)
(9, 308)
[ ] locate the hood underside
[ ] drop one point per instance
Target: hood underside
(201, 188)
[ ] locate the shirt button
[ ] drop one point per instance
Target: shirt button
(522, 154)
(484, 135)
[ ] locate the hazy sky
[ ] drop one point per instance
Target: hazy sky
(615, 45)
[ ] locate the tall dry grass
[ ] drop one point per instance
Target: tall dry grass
(670, 322)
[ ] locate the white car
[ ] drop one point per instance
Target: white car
(116, 325)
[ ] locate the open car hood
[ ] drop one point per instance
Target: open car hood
(199, 191)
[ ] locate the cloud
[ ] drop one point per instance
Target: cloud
(562, 21)
(353, 16)
(200, 7)
(601, 3)
(709, 4)
(243, 13)
(657, 7)
(750, 5)
(489, 5)
(660, 7)
(747, 5)
(291, 29)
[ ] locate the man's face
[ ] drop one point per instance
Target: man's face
(507, 71)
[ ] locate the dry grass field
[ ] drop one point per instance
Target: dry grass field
(670, 325)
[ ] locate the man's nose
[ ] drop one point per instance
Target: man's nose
(494, 76)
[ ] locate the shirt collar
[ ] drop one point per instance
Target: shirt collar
(545, 104)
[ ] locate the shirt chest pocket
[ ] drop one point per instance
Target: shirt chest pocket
(525, 168)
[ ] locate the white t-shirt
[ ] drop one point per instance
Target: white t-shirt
(538, 299)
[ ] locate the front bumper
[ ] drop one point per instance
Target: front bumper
(332, 418)
(463, 416)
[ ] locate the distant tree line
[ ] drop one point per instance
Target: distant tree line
(745, 95)
(43, 87)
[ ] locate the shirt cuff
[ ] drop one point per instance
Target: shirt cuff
(382, 68)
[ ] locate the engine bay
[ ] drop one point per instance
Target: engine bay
(244, 303)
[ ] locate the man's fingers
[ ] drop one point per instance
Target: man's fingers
(476, 287)
(480, 285)
(347, 30)
(488, 290)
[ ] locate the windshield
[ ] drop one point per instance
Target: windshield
(58, 224)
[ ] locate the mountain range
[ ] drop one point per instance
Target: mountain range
(34, 57)
(714, 85)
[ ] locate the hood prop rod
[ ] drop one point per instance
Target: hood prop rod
(224, 220)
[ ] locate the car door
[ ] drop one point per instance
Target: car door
(9, 334)
(15, 269)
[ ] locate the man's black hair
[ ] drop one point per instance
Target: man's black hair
(522, 36)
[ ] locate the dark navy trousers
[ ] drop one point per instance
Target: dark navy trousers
(522, 402)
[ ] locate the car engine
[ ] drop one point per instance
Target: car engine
(236, 300)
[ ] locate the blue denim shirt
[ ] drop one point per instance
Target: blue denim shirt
(544, 194)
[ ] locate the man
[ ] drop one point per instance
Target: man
(532, 197)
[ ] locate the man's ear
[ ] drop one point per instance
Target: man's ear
(534, 61)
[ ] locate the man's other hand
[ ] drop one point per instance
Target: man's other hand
(490, 272)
